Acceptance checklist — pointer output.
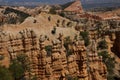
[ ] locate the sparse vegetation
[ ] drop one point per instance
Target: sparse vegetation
(68, 77)
(67, 43)
(34, 64)
(62, 14)
(5, 74)
(53, 31)
(77, 28)
(49, 18)
(21, 16)
(69, 24)
(17, 70)
(58, 21)
(75, 37)
(71, 78)
(1, 57)
(63, 23)
(34, 78)
(19, 66)
(57, 24)
(48, 49)
(110, 63)
(85, 37)
(112, 24)
(76, 78)
(52, 11)
(102, 45)
(24, 60)
(35, 21)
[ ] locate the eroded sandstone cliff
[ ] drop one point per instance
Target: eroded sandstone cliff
(57, 65)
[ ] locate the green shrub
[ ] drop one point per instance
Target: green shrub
(17, 70)
(48, 49)
(52, 11)
(62, 14)
(63, 23)
(49, 18)
(75, 37)
(85, 37)
(67, 42)
(102, 45)
(110, 63)
(68, 77)
(54, 30)
(69, 24)
(1, 57)
(76, 78)
(5, 74)
(58, 21)
(34, 78)
(24, 60)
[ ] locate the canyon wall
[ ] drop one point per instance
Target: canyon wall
(57, 66)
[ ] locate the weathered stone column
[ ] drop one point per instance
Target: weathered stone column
(44, 69)
(81, 58)
(56, 60)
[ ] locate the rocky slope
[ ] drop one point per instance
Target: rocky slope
(83, 47)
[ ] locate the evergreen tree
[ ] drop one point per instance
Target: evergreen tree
(17, 70)
(5, 74)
